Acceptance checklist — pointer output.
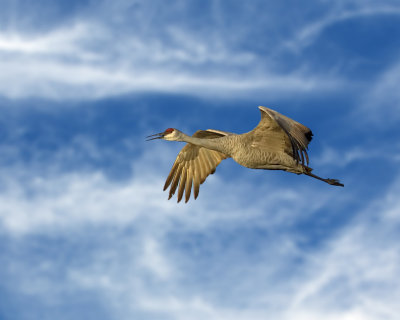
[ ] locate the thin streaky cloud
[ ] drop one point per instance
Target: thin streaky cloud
(311, 31)
(65, 63)
(354, 258)
(381, 103)
(341, 158)
(142, 272)
(54, 208)
(85, 225)
(59, 80)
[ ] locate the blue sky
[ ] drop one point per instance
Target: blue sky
(86, 231)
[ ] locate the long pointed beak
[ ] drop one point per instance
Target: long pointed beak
(155, 136)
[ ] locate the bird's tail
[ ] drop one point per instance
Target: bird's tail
(333, 182)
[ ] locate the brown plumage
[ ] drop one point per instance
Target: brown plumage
(192, 166)
(276, 143)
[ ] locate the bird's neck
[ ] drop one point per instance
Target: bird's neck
(213, 144)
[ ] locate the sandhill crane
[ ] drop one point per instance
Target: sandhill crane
(276, 143)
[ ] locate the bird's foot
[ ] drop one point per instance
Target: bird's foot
(334, 182)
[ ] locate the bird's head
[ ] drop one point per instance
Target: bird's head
(169, 134)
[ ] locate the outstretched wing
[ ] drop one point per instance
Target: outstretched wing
(281, 129)
(193, 165)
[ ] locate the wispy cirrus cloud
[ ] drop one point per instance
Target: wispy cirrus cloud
(36, 68)
(342, 279)
(381, 104)
(142, 258)
(47, 199)
(158, 266)
(65, 61)
(340, 11)
(389, 153)
(88, 57)
(79, 242)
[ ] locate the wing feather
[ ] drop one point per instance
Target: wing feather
(204, 168)
(189, 182)
(193, 165)
(196, 179)
(170, 176)
(182, 183)
(175, 181)
(295, 137)
(207, 160)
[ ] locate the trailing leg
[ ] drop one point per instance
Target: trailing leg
(333, 182)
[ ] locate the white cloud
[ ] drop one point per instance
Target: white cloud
(116, 48)
(351, 274)
(154, 260)
(64, 42)
(235, 254)
(89, 58)
(386, 151)
(380, 106)
(355, 275)
(340, 11)
(37, 201)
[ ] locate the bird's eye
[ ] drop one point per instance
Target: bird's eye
(169, 130)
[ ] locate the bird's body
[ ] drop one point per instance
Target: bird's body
(276, 143)
(253, 154)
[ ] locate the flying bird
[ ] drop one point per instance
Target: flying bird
(276, 143)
